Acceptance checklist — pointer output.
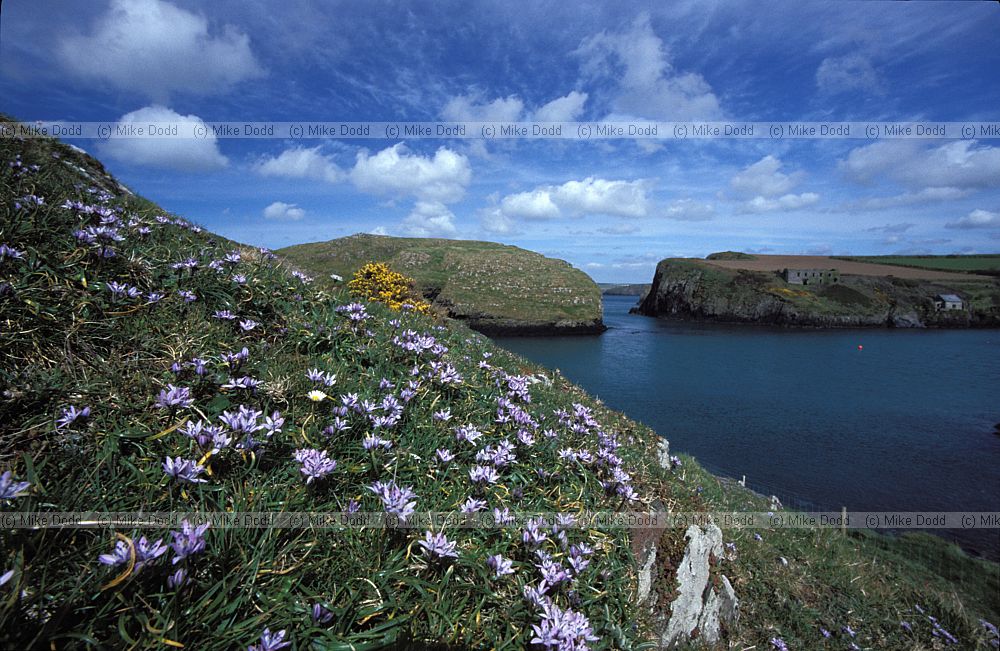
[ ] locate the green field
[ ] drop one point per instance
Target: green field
(965, 263)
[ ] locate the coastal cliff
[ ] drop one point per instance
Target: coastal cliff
(692, 289)
(493, 288)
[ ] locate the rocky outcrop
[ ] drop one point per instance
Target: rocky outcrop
(703, 603)
(688, 289)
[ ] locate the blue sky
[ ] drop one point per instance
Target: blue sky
(612, 208)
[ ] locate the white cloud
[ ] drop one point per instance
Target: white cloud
(378, 230)
(959, 164)
(846, 73)
(591, 196)
(469, 108)
(785, 202)
(764, 179)
(493, 220)
(282, 210)
(430, 219)
(155, 48)
(977, 219)
(562, 109)
(647, 84)
(689, 210)
(300, 163)
(184, 154)
(537, 204)
(395, 171)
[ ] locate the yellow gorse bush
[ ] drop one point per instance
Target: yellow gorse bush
(377, 282)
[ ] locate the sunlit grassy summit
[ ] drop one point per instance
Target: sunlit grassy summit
(149, 366)
(494, 288)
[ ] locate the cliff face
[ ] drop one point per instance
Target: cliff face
(692, 290)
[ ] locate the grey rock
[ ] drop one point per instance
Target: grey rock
(663, 453)
(646, 574)
(688, 610)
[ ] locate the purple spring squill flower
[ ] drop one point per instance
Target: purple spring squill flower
(10, 252)
(173, 397)
(339, 425)
(825, 633)
(472, 505)
(532, 535)
(315, 463)
(190, 540)
(553, 573)
(501, 566)
(145, 552)
(371, 442)
(483, 475)
(248, 324)
(906, 627)
(177, 579)
(396, 500)
(224, 314)
(503, 517)
(243, 420)
(184, 470)
(536, 597)
(188, 296)
(200, 366)
(70, 415)
(321, 614)
(246, 382)
(437, 546)
(155, 297)
(562, 629)
(239, 279)
(444, 455)
(850, 631)
(9, 489)
(270, 641)
(467, 433)
(779, 644)
(272, 424)
(6, 576)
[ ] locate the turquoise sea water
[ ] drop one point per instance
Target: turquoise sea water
(905, 423)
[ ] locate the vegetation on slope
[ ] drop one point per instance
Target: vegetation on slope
(146, 365)
(149, 366)
(494, 287)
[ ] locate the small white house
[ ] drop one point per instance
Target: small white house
(948, 302)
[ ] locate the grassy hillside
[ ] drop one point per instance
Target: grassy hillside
(493, 286)
(967, 263)
(147, 365)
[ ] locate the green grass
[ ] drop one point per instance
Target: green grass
(67, 341)
(966, 263)
(482, 281)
